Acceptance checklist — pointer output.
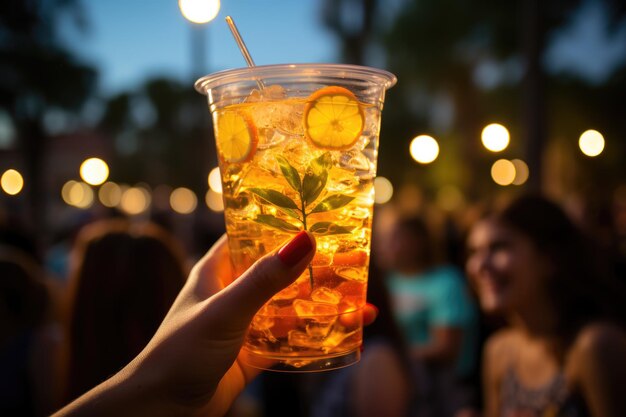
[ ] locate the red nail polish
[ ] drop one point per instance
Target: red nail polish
(296, 249)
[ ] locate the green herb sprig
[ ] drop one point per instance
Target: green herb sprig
(308, 189)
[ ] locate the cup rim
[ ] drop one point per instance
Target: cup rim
(205, 83)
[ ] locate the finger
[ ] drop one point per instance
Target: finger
(370, 312)
(205, 277)
(270, 274)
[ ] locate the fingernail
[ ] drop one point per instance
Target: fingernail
(296, 249)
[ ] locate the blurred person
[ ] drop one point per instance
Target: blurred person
(194, 364)
(437, 315)
(564, 350)
(124, 278)
(383, 382)
(29, 339)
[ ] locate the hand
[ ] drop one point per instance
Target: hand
(193, 364)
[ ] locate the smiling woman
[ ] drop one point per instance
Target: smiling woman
(564, 351)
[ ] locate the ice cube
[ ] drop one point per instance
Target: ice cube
(273, 92)
(270, 92)
(321, 259)
(288, 293)
(335, 338)
(262, 323)
(264, 316)
(317, 329)
(355, 160)
(341, 180)
(360, 213)
(372, 121)
(326, 295)
(315, 309)
(350, 304)
(352, 274)
(297, 154)
(298, 338)
(270, 138)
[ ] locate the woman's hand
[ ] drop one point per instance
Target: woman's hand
(194, 360)
(193, 365)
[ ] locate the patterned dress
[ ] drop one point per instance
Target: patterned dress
(553, 399)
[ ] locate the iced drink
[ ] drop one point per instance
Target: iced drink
(297, 148)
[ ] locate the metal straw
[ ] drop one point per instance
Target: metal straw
(242, 47)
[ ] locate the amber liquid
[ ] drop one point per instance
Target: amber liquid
(319, 315)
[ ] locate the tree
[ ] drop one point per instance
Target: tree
(353, 22)
(437, 45)
(38, 74)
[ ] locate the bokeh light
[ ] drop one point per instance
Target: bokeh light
(110, 194)
(199, 11)
(183, 200)
(77, 194)
(215, 180)
(135, 200)
(591, 142)
(12, 182)
(383, 190)
(503, 172)
(214, 201)
(521, 171)
(424, 149)
(495, 137)
(94, 171)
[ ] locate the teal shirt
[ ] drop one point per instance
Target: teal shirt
(438, 297)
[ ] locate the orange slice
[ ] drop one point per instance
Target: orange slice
(236, 136)
(333, 118)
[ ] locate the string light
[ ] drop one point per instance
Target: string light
(495, 137)
(424, 149)
(12, 182)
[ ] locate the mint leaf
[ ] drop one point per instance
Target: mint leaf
(280, 201)
(332, 202)
(322, 163)
(276, 223)
(315, 178)
(312, 186)
(274, 197)
(329, 228)
(290, 173)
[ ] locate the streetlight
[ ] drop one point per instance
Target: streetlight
(198, 12)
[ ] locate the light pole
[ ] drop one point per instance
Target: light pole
(198, 12)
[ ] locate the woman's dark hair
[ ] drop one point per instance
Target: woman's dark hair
(24, 296)
(416, 227)
(580, 285)
(124, 279)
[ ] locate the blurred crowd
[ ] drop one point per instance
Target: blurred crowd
(506, 308)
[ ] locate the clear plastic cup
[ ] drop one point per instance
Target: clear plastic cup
(297, 148)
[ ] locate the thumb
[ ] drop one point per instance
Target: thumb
(243, 298)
